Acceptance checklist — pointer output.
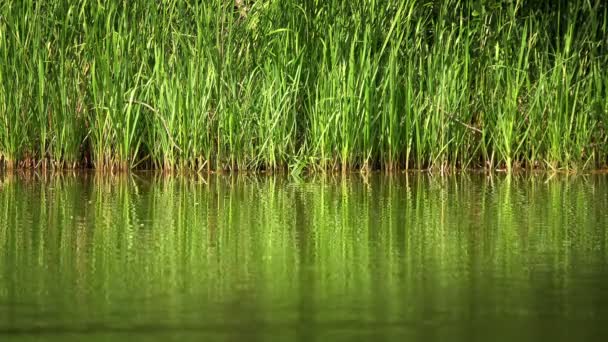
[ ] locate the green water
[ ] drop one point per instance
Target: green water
(396, 258)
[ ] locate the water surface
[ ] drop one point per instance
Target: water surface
(240, 258)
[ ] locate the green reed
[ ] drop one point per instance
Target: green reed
(275, 85)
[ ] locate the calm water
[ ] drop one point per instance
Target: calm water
(244, 259)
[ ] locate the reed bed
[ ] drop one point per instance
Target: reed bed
(304, 85)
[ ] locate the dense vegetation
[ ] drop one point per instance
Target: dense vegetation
(309, 84)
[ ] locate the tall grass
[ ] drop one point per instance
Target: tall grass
(323, 85)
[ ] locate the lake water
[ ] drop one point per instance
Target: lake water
(243, 258)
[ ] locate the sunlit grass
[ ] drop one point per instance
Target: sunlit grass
(275, 85)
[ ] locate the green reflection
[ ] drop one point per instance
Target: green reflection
(467, 257)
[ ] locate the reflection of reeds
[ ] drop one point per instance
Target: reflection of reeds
(319, 85)
(162, 241)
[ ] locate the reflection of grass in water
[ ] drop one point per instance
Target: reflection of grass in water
(183, 244)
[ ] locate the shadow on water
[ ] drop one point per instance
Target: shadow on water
(467, 257)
